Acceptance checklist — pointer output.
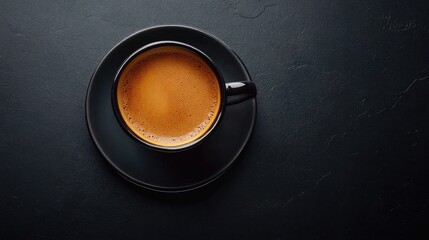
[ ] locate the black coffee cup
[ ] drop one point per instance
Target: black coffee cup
(230, 93)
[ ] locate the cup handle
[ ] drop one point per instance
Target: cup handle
(238, 92)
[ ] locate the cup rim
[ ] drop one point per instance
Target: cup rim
(206, 59)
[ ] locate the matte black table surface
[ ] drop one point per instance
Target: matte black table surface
(340, 148)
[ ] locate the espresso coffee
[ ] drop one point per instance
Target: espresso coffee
(168, 96)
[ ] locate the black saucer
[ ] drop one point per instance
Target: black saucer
(169, 172)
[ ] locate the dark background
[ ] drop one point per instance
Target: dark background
(341, 144)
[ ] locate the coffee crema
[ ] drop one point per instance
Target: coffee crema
(168, 96)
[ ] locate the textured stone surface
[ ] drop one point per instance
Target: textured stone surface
(340, 148)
